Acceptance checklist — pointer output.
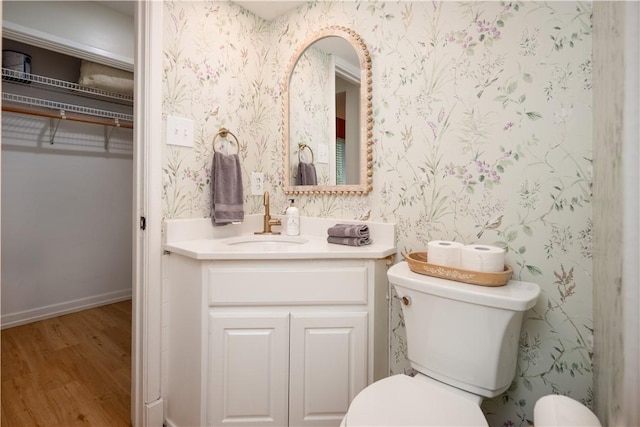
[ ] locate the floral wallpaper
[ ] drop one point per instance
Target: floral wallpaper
(482, 133)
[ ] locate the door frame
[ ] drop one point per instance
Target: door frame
(146, 399)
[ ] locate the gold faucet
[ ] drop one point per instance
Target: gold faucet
(268, 222)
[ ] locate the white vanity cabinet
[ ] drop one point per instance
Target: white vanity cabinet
(273, 342)
(285, 368)
(248, 369)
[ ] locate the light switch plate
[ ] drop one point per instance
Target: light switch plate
(323, 153)
(257, 183)
(179, 131)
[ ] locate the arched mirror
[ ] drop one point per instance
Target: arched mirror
(327, 116)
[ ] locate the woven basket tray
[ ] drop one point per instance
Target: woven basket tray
(418, 264)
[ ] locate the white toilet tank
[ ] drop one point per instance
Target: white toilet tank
(460, 334)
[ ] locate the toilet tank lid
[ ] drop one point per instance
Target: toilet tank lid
(515, 295)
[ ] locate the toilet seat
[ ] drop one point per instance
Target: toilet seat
(401, 400)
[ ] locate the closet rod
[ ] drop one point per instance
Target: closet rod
(66, 116)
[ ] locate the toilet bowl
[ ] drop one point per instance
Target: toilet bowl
(462, 341)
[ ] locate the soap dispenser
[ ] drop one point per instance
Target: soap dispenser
(293, 219)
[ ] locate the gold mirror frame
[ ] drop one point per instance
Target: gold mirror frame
(365, 119)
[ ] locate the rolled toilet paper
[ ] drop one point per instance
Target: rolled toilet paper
(482, 258)
(444, 252)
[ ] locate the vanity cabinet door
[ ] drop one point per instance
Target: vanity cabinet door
(248, 369)
(328, 366)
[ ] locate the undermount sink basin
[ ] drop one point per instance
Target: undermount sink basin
(265, 241)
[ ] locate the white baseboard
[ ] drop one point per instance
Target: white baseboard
(154, 413)
(23, 317)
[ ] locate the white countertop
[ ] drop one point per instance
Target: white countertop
(314, 248)
(198, 239)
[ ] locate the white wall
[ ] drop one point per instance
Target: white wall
(85, 29)
(616, 158)
(352, 140)
(66, 218)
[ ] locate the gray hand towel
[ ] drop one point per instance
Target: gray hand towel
(307, 174)
(349, 241)
(226, 189)
(349, 230)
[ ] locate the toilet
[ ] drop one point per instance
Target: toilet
(462, 343)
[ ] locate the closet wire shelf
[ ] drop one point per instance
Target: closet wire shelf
(63, 107)
(19, 77)
(79, 113)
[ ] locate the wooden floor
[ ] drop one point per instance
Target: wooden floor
(73, 370)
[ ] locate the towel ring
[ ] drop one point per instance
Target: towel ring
(224, 132)
(302, 147)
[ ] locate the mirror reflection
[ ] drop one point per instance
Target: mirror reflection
(327, 111)
(323, 106)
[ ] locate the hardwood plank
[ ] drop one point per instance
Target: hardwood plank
(73, 370)
(13, 361)
(25, 406)
(57, 335)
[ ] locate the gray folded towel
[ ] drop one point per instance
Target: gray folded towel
(226, 189)
(307, 174)
(349, 241)
(349, 230)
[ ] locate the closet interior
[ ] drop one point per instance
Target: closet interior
(67, 184)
